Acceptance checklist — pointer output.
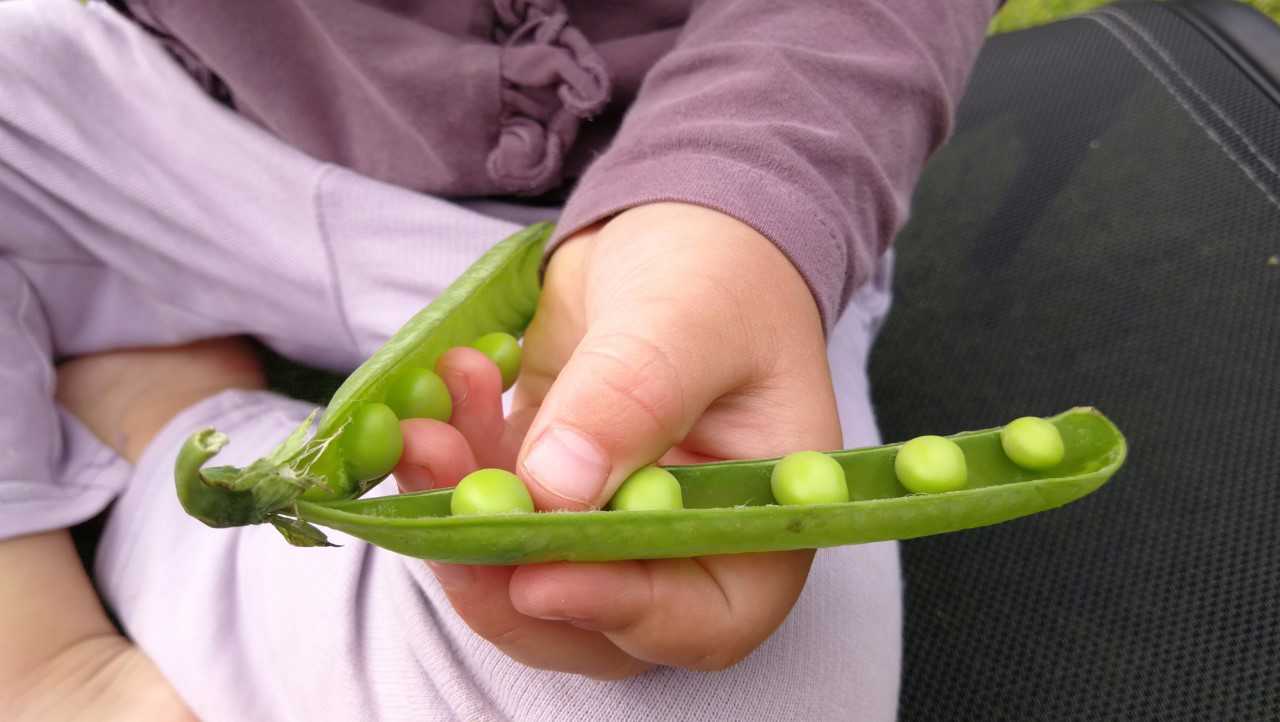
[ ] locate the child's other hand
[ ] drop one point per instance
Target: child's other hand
(672, 332)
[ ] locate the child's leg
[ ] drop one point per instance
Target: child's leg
(124, 397)
(62, 654)
(247, 627)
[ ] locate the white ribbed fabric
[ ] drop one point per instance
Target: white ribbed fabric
(135, 211)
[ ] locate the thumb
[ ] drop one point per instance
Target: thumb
(620, 402)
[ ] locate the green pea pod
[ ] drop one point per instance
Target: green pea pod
(729, 507)
(498, 293)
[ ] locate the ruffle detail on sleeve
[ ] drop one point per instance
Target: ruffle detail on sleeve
(551, 79)
(140, 12)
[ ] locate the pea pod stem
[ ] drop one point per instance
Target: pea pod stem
(224, 496)
(215, 505)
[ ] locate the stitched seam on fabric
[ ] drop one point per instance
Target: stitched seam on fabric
(326, 243)
(1177, 70)
(1195, 117)
(138, 280)
(48, 377)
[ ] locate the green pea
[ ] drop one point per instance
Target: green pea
(1032, 443)
(809, 477)
(504, 351)
(490, 491)
(420, 394)
(930, 465)
(652, 488)
(371, 442)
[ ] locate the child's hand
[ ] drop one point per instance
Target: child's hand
(671, 332)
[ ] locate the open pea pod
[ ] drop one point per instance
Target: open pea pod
(730, 508)
(498, 293)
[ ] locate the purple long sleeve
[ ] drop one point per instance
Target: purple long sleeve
(809, 121)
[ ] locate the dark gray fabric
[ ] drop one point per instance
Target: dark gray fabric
(1103, 229)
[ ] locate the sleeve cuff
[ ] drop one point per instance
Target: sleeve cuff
(89, 476)
(776, 209)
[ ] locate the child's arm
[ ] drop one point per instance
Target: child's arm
(62, 658)
(808, 121)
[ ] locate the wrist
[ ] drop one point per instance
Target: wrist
(832, 254)
(744, 272)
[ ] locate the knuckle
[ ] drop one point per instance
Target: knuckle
(639, 376)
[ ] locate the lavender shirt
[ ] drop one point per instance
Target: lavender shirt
(809, 121)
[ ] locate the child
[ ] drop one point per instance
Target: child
(137, 213)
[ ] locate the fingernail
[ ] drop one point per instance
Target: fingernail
(451, 576)
(568, 464)
(456, 380)
(414, 477)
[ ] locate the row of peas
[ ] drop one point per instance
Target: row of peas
(496, 491)
(932, 464)
(371, 444)
(924, 465)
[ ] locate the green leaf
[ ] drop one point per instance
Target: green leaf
(299, 533)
